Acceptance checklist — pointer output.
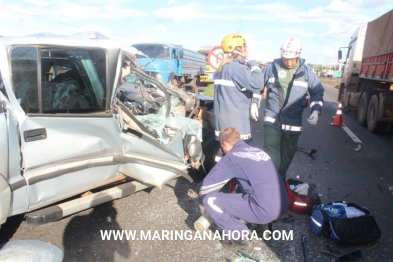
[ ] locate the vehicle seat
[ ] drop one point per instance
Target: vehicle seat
(66, 95)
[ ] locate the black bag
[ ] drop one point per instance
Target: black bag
(301, 203)
(347, 222)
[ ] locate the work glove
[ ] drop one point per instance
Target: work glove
(313, 120)
(253, 65)
(254, 111)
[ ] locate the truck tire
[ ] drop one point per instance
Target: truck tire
(341, 96)
(373, 125)
(194, 86)
(198, 81)
(362, 108)
(172, 79)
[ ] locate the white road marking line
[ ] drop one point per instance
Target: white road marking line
(350, 133)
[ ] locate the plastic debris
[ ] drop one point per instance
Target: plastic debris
(358, 148)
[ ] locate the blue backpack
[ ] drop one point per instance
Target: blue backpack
(347, 222)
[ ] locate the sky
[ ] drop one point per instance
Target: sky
(322, 26)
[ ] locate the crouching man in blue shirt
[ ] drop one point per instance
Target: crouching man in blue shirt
(260, 196)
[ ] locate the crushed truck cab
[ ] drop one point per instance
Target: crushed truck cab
(77, 115)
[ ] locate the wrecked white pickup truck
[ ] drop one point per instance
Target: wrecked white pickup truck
(77, 116)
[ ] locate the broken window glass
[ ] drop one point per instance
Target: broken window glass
(153, 51)
(65, 80)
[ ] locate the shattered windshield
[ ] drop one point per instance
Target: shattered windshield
(153, 51)
(145, 101)
(153, 108)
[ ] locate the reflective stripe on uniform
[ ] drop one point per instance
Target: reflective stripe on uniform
(300, 83)
(214, 187)
(291, 128)
(269, 119)
(210, 201)
(316, 103)
(243, 137)
(224, 82)
(256, 95)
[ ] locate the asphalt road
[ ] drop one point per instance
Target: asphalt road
(338, 171)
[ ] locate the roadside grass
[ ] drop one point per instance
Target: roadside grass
(209, 90)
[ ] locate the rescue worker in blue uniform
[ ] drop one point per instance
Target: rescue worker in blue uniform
(237, 88)
(260, 195)
(288, 81)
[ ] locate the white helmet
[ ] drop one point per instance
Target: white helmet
(262, 62)
(291, 48)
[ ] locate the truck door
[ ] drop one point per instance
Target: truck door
(68, 139)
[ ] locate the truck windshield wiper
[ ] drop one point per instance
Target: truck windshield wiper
(144, 66)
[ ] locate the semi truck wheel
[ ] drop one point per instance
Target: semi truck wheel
(373, 125)
(362, 108)
(341, 97)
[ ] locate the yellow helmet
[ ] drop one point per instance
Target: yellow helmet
(230, 42)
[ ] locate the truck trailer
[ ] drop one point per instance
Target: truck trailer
(172, 64)
(367, 79)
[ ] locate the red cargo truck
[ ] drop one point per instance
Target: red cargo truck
(367, 80)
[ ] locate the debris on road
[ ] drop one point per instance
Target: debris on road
(307, 151)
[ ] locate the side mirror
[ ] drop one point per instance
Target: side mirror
(180, 53)
(340, 54)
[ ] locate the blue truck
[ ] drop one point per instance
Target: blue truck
(172, 64)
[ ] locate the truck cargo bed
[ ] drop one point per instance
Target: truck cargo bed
(378, 68)
(378, 49)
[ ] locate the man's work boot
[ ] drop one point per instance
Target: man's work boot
(261, 228)
(235, 245)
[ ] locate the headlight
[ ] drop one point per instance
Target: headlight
(159, 76)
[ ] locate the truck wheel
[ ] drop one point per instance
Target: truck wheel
(172, 79)
(341, 96)
(373, 125)
(198, 81)
(194, 86)
(362, 108)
